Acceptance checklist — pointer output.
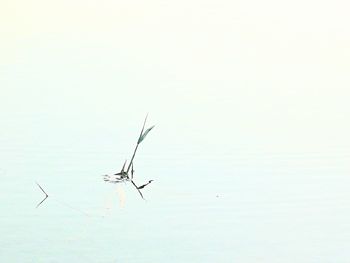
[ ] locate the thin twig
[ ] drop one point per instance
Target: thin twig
(41, 202)
(46, 195)
(123, 166)
(42, 189)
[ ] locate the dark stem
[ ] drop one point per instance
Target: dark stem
(137, 145)
(132, 158)
(137, 189)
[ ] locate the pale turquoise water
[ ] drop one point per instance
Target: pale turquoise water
(243, 207)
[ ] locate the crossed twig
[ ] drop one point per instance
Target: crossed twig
(123, 175)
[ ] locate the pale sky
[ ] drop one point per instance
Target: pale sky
(256, 74)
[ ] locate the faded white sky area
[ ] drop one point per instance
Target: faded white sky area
(214, 75)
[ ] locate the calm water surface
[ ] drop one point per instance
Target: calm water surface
(239, 207)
